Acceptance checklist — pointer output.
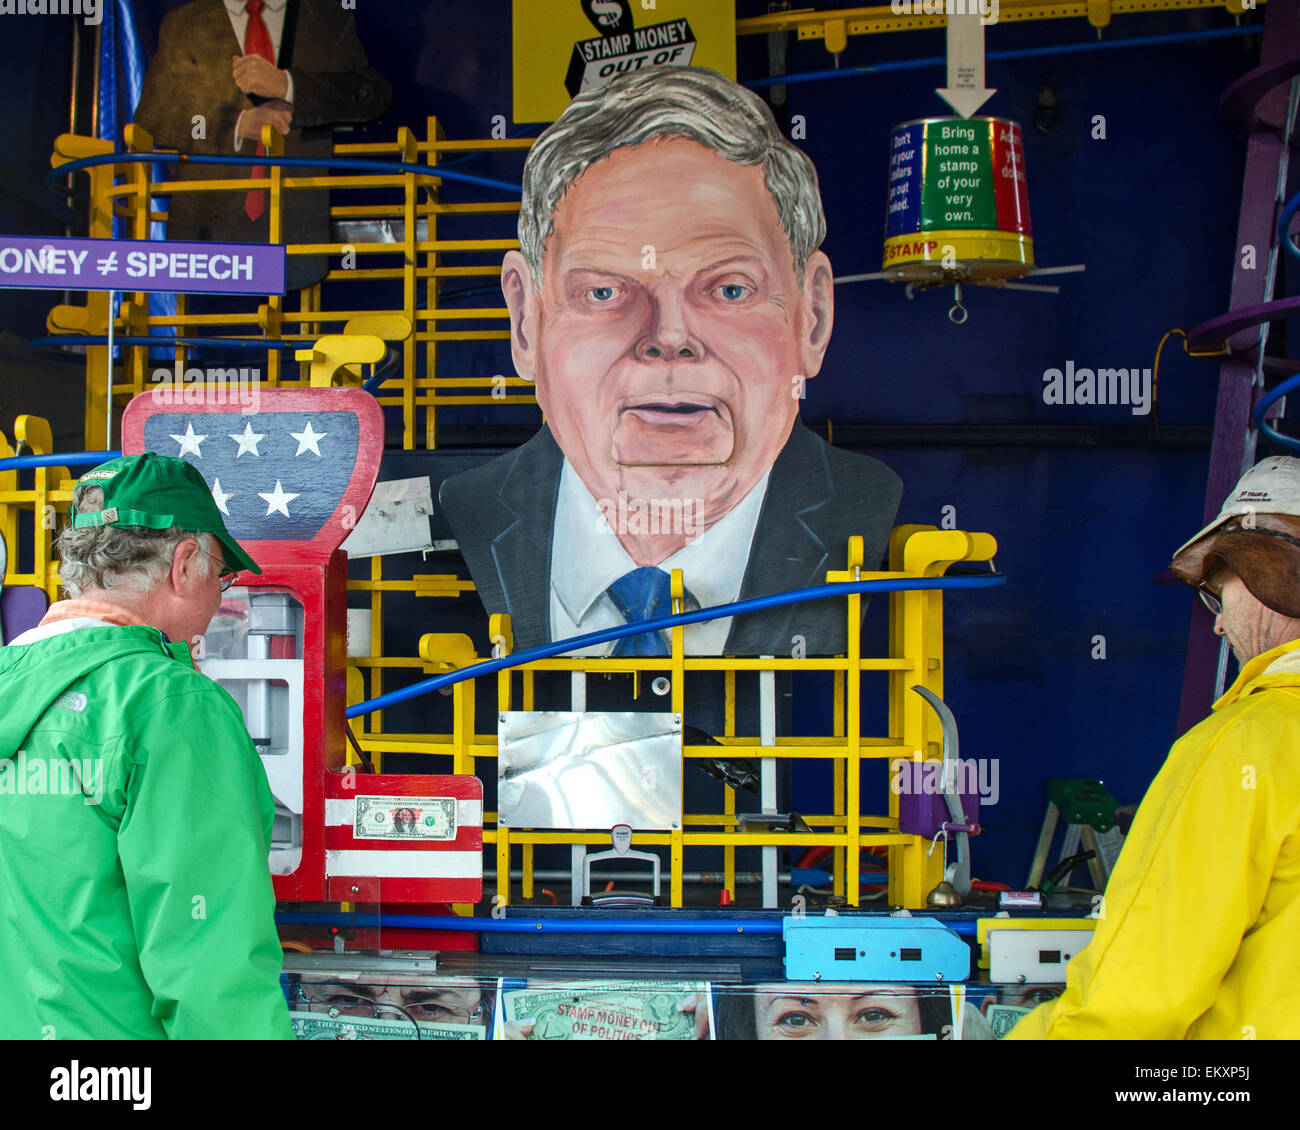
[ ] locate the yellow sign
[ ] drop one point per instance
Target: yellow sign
(563, 47)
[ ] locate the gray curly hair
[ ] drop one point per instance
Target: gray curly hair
(120, 557)
(689, 102)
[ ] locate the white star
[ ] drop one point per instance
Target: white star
(308, 440)
(221, 497)
(248, 441)
(189, 441)
(277, 500)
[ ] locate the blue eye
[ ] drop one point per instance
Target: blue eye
(603, 293)
(733, 292)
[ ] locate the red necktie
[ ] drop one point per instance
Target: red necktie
(257, 41)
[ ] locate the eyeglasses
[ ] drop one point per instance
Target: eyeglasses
(1209, 598)
(334, 1001)
(226, 576)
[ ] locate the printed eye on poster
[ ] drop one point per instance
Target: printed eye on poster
(565, 47)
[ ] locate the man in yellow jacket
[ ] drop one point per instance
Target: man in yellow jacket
(1201, 918)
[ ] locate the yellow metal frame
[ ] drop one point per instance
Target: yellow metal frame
(915, 656)
(126, 190)
(32, 517)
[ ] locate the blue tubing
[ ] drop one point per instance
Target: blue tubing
(59, 459)
(753, 604)
(354, 164)
(1284, 226)
(216, 342)
(556, 925)
(1267, 401)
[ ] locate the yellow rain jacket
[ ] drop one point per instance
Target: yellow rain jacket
(1201, 934)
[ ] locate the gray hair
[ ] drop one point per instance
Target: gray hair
(689, 102)
(121, 557)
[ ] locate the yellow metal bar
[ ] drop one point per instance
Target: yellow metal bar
(838, 784)
(853, 732)
(814, 24)
(433, 131)
(677, 865)
(377, 640)
(502, 838)
(528, 871)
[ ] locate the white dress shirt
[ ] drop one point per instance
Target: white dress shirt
(587, 557)
(273, 17)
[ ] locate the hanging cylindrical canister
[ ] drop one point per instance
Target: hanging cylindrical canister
(957, 192)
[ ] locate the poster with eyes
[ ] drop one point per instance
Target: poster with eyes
(389, 1006)
(790, 1010)
(670, 303)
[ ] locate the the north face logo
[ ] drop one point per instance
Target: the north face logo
(71, 700)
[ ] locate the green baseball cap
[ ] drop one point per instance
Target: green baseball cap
(156, 492)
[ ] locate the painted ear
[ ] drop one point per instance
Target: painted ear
(818, 312)
(522, 302)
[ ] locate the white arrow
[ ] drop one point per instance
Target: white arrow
(965, 91)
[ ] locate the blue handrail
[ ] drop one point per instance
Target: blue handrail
(717, 611)
(562, 925)
(59, 459)
(167, 339)
(356, 164)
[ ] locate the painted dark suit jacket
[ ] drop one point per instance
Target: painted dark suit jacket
(817, 498)
(333, 84)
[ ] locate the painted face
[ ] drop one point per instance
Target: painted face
(423, 1003)
(848, 1015)
(671, 339)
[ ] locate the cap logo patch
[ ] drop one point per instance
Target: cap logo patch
(90, 476)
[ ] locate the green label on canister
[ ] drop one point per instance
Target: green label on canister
(958, 190)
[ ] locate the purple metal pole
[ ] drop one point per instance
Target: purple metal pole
(1233, 447)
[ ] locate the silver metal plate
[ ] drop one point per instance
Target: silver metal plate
(396, 520)
(589, 770)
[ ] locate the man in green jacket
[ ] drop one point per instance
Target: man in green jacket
(135, 816)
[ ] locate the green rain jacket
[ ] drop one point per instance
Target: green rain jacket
(135, 822)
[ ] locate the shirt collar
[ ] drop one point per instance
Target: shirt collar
(236, 7)
(1281, 660)
(92, 610)
(713, 565)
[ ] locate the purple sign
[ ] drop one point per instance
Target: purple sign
(49, 263)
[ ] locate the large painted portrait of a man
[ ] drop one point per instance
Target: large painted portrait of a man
(670, 302)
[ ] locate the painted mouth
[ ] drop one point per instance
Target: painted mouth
(653, 411)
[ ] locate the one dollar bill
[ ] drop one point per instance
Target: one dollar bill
(1003, 1017)
(405, 818)
(615, 1011)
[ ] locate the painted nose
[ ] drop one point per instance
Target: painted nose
(667, 337)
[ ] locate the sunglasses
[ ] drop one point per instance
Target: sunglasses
(1209, 598)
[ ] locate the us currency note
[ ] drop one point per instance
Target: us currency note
(319, 1026)
(1003, 1017)
(607, 1010)
(405, 818)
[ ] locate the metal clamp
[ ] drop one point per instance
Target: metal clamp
(621, 834)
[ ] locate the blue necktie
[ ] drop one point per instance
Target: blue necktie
(643, 594)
